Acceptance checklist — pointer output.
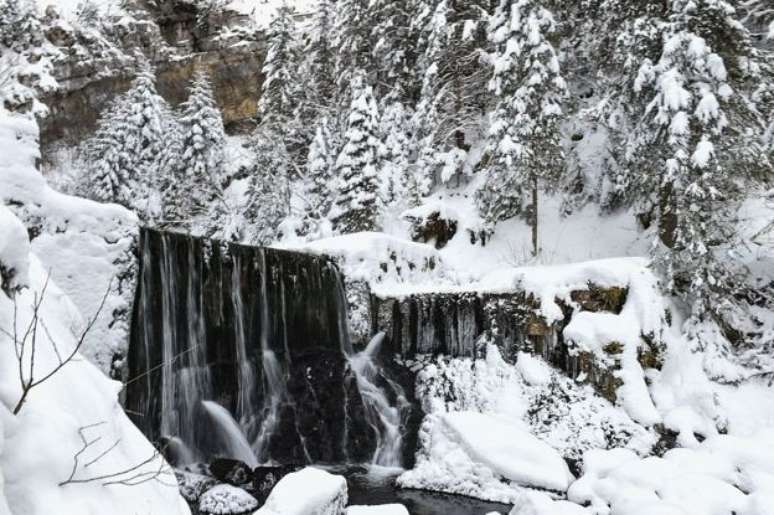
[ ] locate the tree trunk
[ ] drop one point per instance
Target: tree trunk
(534, 217)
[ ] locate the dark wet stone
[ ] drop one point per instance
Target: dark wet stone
(233, 472)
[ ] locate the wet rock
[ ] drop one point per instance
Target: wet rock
(226, 500)
(432, 228)
(233, 472)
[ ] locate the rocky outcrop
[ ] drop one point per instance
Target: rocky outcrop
(94, 64)
(453, 324)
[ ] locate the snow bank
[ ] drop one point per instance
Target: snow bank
(532, 408)
(14, 251)
(538, 503)
(85, 245)
(509, 450)
(310, 491)
(77, 403)
(386, 262)
(383, 509)
(724, 474)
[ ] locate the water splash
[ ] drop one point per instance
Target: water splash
(234, 441)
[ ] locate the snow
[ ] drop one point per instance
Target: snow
(323, 494)
(464, 399)
(538, 503)
(75, 235)
(724, 474)
(509, 450)
(40, 442)
(14, 250)
(226, 500)
(263, 11)
(383, 509)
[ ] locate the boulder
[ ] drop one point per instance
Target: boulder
(233, 472)
(266, 478)
(226, 500)
(193, 485)
(309, 491)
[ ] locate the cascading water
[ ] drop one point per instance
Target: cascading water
(240, 347)
(384, 418)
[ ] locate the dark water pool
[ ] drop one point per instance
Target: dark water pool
(377, 486)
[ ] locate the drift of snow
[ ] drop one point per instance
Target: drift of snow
(42, 440)
(310, 491)
(14, 250)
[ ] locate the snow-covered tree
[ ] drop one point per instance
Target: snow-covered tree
(320, 164)
(397, 182)
(394, 49)
(321, 84)
(524, 136)
(268, 191)
(353, 42)
(279, 91)
(453, 96)
(202, 156)
(357, 167)
(134, 152)
(696, 141)
(19, 25)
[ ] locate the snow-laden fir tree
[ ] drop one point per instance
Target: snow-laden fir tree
(353, 43)
(524, 149)
(202, 156)
(135, 151)
(453, 96)
(357, 166)
(268, 191)
(19, 24)
(398, 184)
(320, 88)
(279, 91)
(394, 49)
(695, 145)
(318, 191)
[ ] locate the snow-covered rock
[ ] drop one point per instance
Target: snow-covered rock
(382, 509)
(310, 491)
(531, 502)
(226, 500)
(14, 251)
(193, 485)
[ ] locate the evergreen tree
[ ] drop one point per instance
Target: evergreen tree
(319, 170)
(19, 24)
(268, 191)
(202, 156)
(394, 49)
(397, 182)
(321, 86)
(279, 91)
(695, 144)
(524, 137)
(134, 152)
(353, 43)
(357, 167)
(453, 97)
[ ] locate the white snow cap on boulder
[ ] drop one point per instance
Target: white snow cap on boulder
(310, 491)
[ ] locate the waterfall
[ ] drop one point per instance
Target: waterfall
(243, 348)
(384, 418)
(234, 440)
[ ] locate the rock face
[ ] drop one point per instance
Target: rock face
(453, 323)
(260, 332)
(94, 65)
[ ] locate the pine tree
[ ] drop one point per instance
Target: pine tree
(453, 97)
(319, 170)
(321, 89)
(268, 191)
(394, 50)
(357, 167)
(353, 43)
(201, 164)
(397, 181)
(134, 152)
(279, 91)
(694, 146)
(19, 24)
(524, 136)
